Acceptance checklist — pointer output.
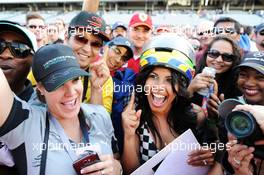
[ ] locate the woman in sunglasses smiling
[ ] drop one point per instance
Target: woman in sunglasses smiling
(223, 55)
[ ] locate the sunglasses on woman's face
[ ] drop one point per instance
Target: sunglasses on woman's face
(227, 57)
(17, 49)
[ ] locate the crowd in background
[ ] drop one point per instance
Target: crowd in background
(49, 70)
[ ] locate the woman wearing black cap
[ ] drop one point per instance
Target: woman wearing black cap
(250, 82)
(49, 139)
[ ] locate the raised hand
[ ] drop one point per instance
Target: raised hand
(131, 118)
(199, 82)
(256, 110)
(99, 71)
(239, 156)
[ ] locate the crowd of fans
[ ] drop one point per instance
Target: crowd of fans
(124, 92)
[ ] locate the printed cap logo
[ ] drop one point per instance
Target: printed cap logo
(258, 54)
(95, 22)
(143, 17)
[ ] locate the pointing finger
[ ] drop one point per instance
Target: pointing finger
(138, 114)
(131, 104)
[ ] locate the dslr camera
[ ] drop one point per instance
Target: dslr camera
(242, 125)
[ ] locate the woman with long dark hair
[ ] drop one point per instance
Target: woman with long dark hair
(163, 111)
(223, 55)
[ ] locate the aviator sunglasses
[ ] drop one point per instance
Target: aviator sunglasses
(17, 49)
(81, 39)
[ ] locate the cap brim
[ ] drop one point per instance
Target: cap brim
(260, 29)
(104, 36)
(141, 24)
(129, 49)
(124, 27)
(255, 66)
(5, 26)
(60, 77)
(227, 106)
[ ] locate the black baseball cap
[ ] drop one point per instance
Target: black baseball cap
(122, 41)
(90, 22)
(6, 25)
(55, 64)
(254, 60)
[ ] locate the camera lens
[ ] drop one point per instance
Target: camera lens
(240, 124)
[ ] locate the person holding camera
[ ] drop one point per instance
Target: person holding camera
(47, 139)
(240, 156)
(245, 147)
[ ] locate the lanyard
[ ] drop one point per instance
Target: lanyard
(45, 147)
(84, 127)
(65, 140)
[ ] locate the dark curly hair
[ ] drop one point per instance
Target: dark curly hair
(180, 116)
(226, 81)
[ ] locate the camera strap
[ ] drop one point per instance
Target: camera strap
(64, 138)
(85, 88)
(45, 147)
(84, 127)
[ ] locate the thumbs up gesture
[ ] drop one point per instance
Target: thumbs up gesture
(131, 118)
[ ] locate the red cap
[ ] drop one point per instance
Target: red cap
(163, 29)
(140, 19)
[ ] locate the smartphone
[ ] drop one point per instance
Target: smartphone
(89, 158)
